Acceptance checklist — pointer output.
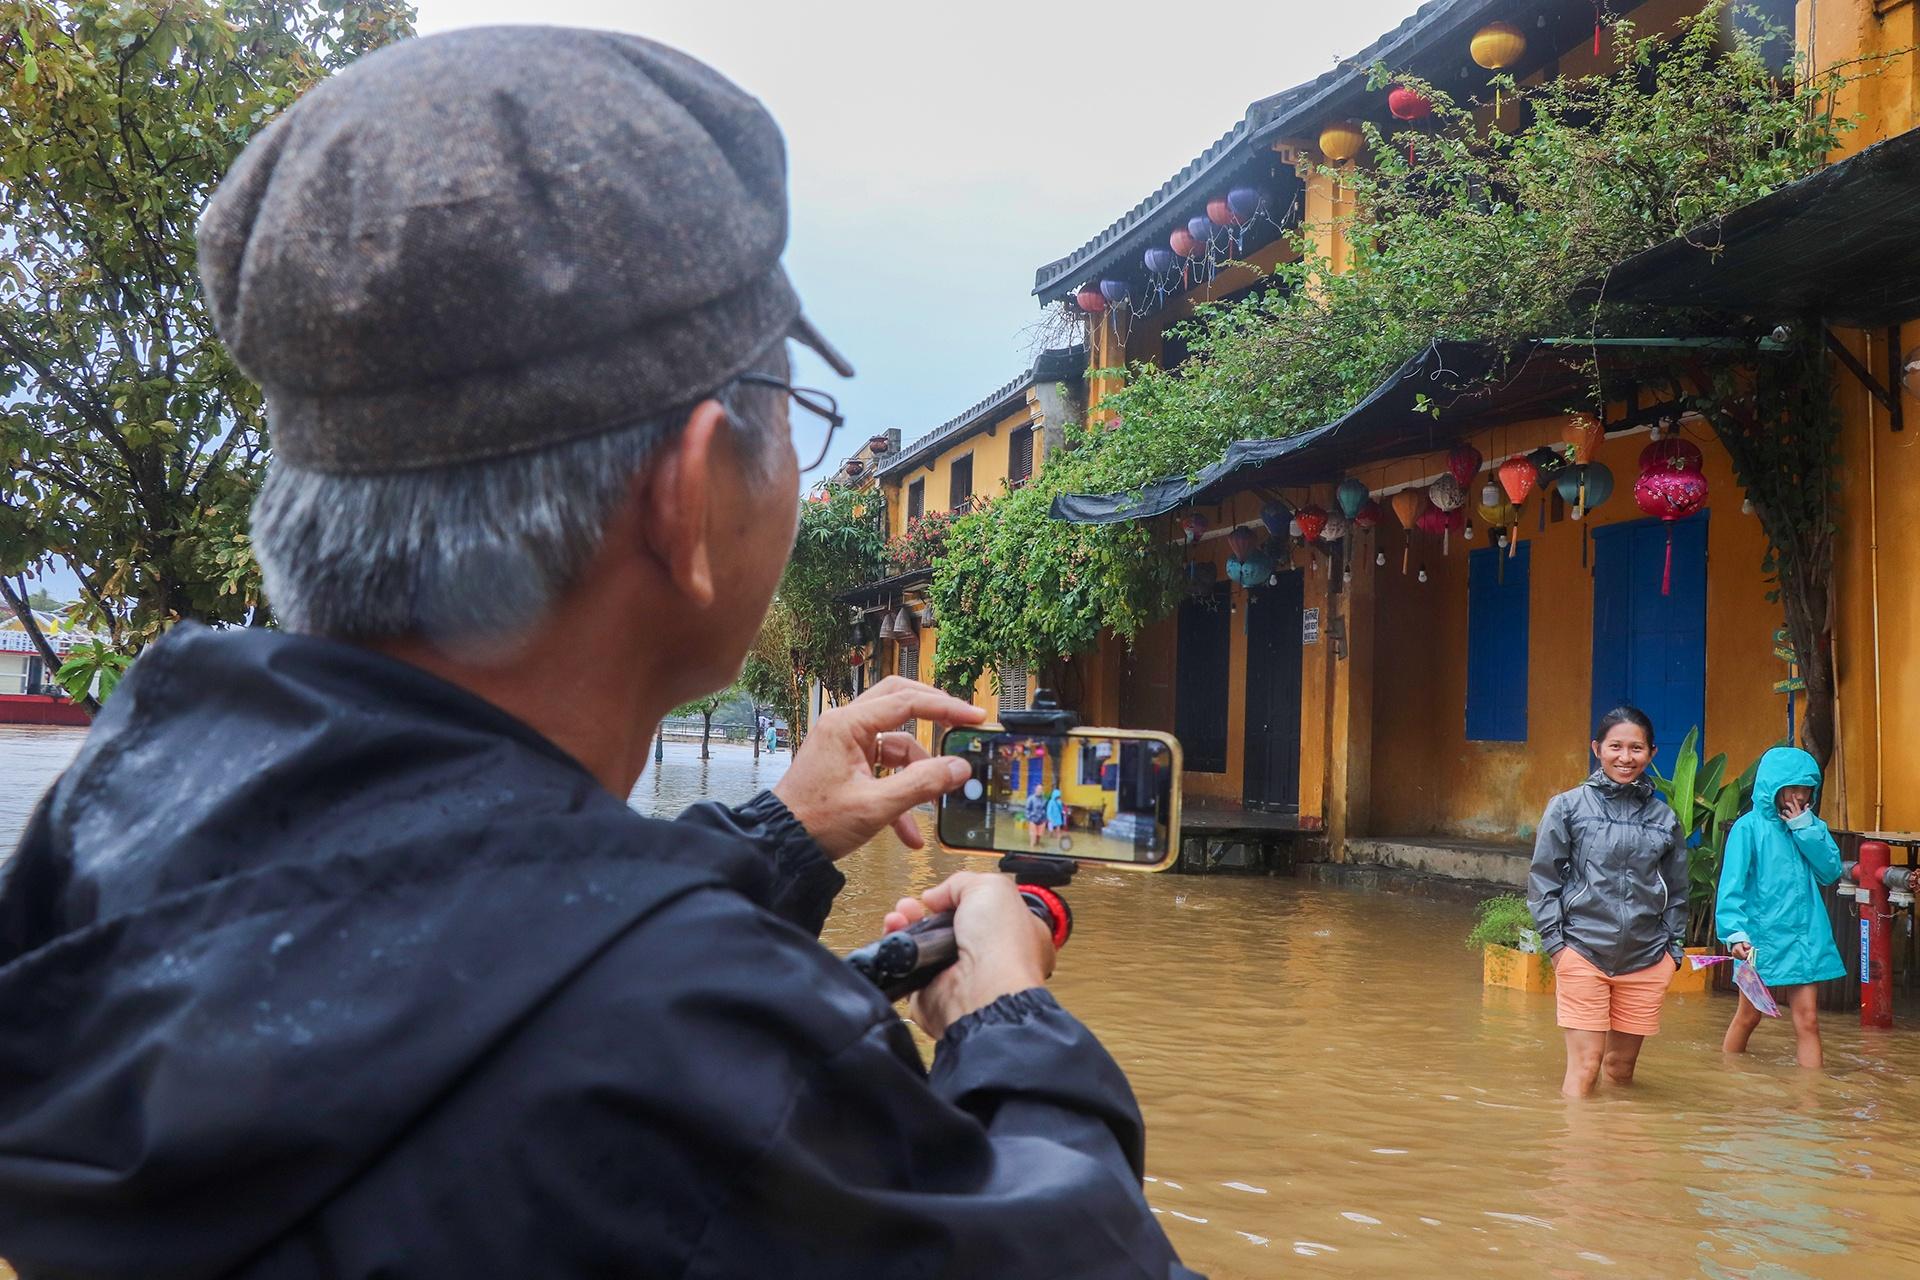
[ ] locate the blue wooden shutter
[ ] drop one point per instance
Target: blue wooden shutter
(1497, 618)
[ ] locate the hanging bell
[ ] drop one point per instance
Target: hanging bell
(886, 626)
(902, 624)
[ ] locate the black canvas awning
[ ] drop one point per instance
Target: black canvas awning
(1468, 386)
(1843, 245)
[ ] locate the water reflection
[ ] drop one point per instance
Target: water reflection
(1329, 1088)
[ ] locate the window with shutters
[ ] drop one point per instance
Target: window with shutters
(1497, 614)
(960, 484)
(916, 500)
(1020, 457)
(1013, 686)
(909, 666)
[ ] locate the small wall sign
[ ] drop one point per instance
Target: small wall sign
(1309, 626)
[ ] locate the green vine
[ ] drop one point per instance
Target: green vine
(841, 544)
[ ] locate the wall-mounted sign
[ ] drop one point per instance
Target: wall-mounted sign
(1309, 626)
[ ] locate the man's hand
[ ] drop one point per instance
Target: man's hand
(830, 785)
(1004, 947)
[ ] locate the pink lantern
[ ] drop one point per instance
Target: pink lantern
(1091, 300)
(1463, 463)
(1221, 214)
(1195, 523)
(1672, 488)
(1183, 243)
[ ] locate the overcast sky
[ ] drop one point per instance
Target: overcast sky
(940, 153)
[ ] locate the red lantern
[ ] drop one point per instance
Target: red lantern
(1312, 520)
(1463, 463)
(1368, 516)
(1409, 104)
(1183, 243)
(1091, 300)
(1672, 488)
(1671, 454)
(1517, 475)
(1221, 214)
(1195, 525)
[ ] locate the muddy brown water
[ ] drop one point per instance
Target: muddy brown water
(1330, 1090)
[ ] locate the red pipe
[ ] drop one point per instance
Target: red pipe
(1876, 935)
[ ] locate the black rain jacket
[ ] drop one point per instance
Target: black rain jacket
(315, 965)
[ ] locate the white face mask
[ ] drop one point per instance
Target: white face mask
(1800, 821)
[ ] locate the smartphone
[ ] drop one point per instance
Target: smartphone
(1094, 795)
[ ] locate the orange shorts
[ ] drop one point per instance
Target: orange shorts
(1589, 1000)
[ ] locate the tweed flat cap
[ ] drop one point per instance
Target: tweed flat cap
(475, 244)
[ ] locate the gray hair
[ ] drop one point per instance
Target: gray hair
(470, 553)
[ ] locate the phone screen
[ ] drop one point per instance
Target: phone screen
(1086, 795)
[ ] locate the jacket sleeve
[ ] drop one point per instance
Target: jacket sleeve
(1547, 877)
(765, 1111)
(1816, 844)
(805, 881)
(1731, 919)
(1673, 870)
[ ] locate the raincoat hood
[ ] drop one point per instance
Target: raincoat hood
(1783, 767)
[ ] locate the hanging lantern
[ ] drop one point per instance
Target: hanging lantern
(1311, 520)
(1352, 495)
(1549, 462)
(1341, 141)
(1497, 46)
(1408, 104)
(1433, 523)
(1276, 517)
(1114, 291)
(1335, 528)
(1251, 569)
(1407, 506)
(1090, 301)
(1240, 541)
(1447, 494)
(1201, 228)
(886, 626)
(1185, 245)
(1499, 514)
(1671, 454)
(1463, 463)
(1585, 488)
(903, 624)
(1221, 214)
(1159, 261)
(1672, 489)
(1516, 477)
(1195, 523)
(1245, 203)
(1583, 436)
(1368, 516)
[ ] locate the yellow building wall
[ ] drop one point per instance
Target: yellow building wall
(988, 446)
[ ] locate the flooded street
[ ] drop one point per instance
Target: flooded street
(1330, 1090)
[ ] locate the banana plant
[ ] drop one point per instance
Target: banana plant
(1708, 807)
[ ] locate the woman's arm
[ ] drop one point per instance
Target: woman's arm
(1673, 870)
(1547, 876)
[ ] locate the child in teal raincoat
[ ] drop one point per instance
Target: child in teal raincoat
(1770, 913)
(1056, 812)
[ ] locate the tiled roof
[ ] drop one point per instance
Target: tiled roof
(1289, 109)
(1054, 365)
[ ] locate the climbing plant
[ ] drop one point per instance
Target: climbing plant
(1483, 234)
(841, 544)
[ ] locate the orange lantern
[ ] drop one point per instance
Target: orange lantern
(1407, 506)
(1341, 141)
(1585, 435)
(1517, 475)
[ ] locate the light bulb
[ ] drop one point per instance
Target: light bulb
(1273, 579)
(1423, 573)
(1379, 557)
(1293, 528)
(1468, 535)
(1490, 495)
(1346, 575)
(1654, 432)
(1503, 539)
(1746, 507)
(1578, 511)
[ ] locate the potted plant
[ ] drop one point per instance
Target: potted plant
(1509, 946)
(1707, 807)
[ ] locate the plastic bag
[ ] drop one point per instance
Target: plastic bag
(1747, 978)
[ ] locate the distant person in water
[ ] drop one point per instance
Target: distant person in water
(1036, 817)
(1608, 890)
(1770, 913)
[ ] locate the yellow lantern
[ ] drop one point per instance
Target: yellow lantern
(1341, 141)
(1497, 46)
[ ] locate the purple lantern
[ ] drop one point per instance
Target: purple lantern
(1200, 228)
(1114, 291)
(1159, 261)
(1244, 201)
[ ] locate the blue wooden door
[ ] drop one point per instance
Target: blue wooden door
(1650, 649)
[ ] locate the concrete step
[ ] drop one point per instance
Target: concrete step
(1482, 861)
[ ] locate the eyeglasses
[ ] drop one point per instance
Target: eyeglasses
(814, 427)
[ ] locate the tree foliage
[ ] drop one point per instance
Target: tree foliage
(134, 444)
(771, 676)
(841, 544)
(1483, 235)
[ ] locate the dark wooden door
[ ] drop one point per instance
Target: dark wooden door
(1200, 679)
(1272, 776)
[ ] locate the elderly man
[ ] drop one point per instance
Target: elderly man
(338, 951)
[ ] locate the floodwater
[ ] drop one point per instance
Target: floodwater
(1329, 1089)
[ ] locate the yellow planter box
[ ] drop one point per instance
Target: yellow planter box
(1689, 981)
(1520, 970)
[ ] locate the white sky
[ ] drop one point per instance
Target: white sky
(939, 153)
